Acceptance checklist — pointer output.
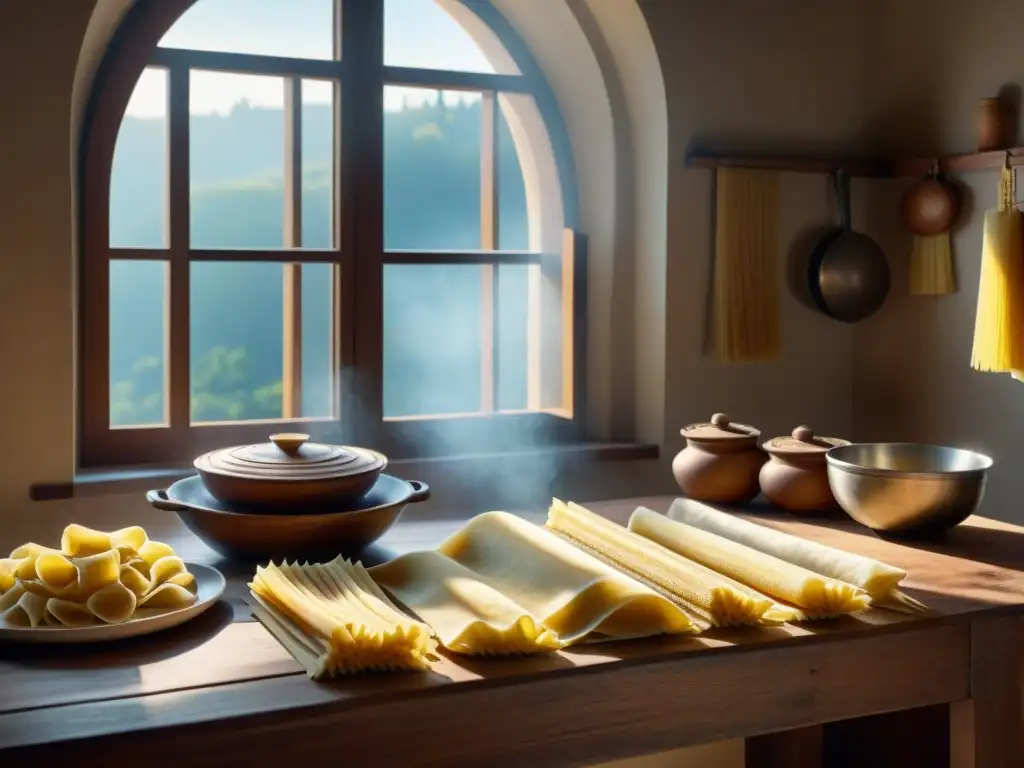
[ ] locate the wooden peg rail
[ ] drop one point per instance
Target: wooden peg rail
(878, 168)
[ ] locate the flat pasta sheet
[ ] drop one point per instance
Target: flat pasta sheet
(502, 585)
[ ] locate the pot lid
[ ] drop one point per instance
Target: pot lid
(290, 456)
(719, 428)
(802, 442)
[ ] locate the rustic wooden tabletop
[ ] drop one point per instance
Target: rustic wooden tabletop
(221, 691)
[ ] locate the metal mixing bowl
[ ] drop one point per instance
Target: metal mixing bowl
(907, 489)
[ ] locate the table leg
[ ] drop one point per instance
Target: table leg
(985, 730)
(786, 749)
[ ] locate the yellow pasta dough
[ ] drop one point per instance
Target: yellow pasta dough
(878, 579)
(711, 598)
(816, 596)
(94, 577)
(333, 619)
(512, 570)
(468, 615)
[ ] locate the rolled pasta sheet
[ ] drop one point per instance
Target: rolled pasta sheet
(96, 572)
(167, 596)
(8, 565)
(56, 572)
(569, 591)
(878, 579)
(468, 615)
(712, 599)
(68, 613)
(28, 611)
(817, 596)
(113, 604)
(79, 541)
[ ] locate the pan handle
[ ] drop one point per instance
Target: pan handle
(420, 491)
(842, 184)
(160, 500)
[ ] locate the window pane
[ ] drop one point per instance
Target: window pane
(138, 178)
(236, 160)
(423, 34)
(237, 331)
(432, 339)
(297, 28)
(431, 169)
(513, 222)
(317, 163)
(512, 290)
(138, 346)
(317, 355)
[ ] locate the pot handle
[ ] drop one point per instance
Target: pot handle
(160, 500)
(420, 491)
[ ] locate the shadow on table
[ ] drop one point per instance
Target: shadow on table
(135, 651)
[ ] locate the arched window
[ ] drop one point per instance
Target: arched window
(352, 218)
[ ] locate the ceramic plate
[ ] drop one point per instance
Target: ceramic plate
(210, 586)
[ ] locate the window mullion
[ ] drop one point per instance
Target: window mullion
(362, 211)
(291, 347)
(489, 273)
(178, 237)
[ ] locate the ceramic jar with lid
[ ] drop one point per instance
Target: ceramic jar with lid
(796, 475)
(720, 462)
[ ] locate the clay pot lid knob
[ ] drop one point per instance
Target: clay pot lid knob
(803, 434)
(720, 420)
(289, 442)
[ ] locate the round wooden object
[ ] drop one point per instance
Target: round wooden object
(929, 207)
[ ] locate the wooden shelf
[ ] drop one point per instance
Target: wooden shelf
(862, 166)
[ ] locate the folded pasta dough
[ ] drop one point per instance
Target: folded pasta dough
(113, 604)
(713, 599)
(878, 579)
(28, 611)
(569, 591)
(333, 619)
(468, 615)
(817, 596)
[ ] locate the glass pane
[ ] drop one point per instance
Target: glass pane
(138, 177)
(317, 163)
(431, 169)
(138, 343)
(297, 28)
(236, 160)
(423, 34)
(237, 331)
(432, 333)
(512, 289)
(513, 221)
(317, 355)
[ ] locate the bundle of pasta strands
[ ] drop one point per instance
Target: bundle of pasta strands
(468, 615)
(333, 619)
(998, 336)
(95, 577)
(568, 592)
(879, 580)
(712, 599)
(815, 596)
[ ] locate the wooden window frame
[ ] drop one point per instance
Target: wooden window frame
(557, 286)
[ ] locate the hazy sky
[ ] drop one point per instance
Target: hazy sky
(417, 33)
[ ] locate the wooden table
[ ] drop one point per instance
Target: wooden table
(220, 691)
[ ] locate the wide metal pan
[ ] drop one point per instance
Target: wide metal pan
(847, 274)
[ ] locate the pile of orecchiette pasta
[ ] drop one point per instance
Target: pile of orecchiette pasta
(94, 578)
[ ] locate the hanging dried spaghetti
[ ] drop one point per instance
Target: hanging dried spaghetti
(998, 338)
(746, 280)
